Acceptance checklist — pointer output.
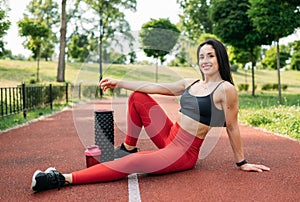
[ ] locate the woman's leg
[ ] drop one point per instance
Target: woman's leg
(180, 154)
(144, 111)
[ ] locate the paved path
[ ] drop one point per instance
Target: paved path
(59, 141)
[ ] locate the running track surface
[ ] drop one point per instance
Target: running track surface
(59, 141)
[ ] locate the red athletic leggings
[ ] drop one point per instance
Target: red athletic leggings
(178, 150)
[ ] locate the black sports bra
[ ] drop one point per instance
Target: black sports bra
(202, 108)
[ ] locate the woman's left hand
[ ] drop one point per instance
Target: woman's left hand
(254, 167)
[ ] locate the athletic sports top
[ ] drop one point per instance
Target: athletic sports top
(202, 108)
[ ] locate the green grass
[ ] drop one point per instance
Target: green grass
(18, 119)
(291, 78)
(261, 110)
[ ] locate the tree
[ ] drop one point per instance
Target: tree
(111, 21)
(234, 27)
(132, 57)
(180, 59)
(295, 62)
(4, 26)
(78, 47)
(62, 43)
(36, 34)
(195, 17)
(277, 19)
(270, 59)
(45, 12)
(158, 37)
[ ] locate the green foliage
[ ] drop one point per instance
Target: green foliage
(180, 59)
(112, 17)
(195, 18)
(270, 59)
(158, 38)
(273, 18)
(114, 58)
(233, 25)
(43, 13)
(295, 61)
(243, 87)
(36, 33)
(242, 56)
(274, 86)
(4, 26)
(132, 57)
(78, 47)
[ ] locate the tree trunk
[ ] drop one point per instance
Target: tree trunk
(62, 46)
(101, 35)
(252, 69)
(156, 71)
(38, 65)
(278, 72)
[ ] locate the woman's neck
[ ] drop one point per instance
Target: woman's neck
(213, 79)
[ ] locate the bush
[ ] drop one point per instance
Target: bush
(269, 86)
(243, 86)
(257, 119)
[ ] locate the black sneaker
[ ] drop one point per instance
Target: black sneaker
(121, 151)
(49, 179)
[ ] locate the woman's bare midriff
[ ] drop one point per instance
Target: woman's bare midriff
(193, 127)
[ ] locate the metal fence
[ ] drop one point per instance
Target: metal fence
(22, 98)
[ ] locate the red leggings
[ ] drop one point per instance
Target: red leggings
(178, 150)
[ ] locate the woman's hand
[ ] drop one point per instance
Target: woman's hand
(108, 83)
(254, 167)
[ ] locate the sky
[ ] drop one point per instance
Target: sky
(146, 9)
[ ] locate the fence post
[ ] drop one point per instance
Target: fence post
(67, 92)
(2, 110)
(79, 91)
(50, 91)
(24, 101)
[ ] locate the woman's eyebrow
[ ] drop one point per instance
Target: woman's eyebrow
(208, 53)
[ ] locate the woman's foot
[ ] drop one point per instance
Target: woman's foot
(123, 151)
(49, 179)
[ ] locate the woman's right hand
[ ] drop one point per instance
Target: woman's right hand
(108, 83)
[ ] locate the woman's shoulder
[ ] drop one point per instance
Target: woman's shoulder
(229, 89)
(228, 86)
(226, 89)
(190, 81)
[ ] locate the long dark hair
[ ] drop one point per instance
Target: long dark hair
(222, 57)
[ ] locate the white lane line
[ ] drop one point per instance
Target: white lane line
(133, 188)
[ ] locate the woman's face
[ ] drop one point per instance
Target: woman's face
(208, 62)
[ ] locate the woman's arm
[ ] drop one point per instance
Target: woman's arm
(230, 106)
(175, 88)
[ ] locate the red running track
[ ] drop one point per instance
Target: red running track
(59, 140)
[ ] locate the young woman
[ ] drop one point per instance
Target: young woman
(207, 103)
